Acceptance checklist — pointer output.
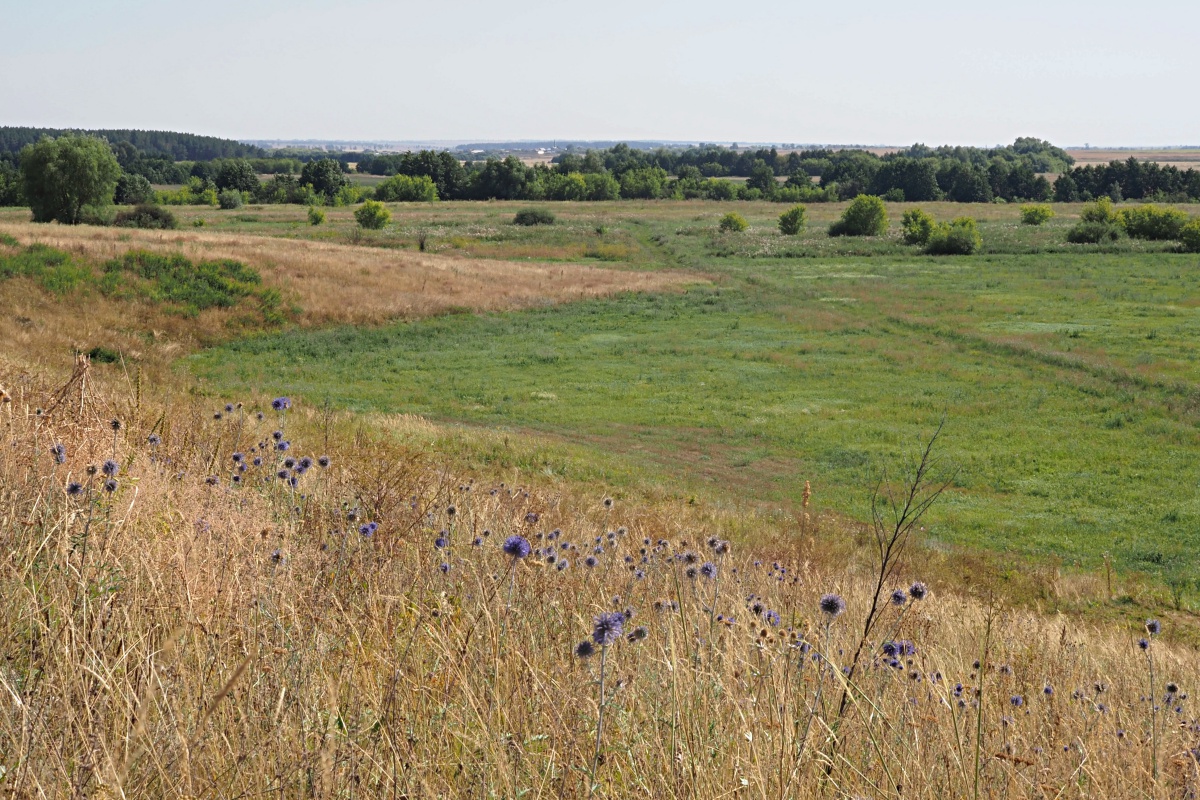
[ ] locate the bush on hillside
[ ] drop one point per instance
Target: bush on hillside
(918, 226)
(372, 215)
(1092, 232)
(315, 216)
(1036, 214)
(408, 189)
(733, 222)
(147, 216)
(1101, 211)
(865, 216)
(533, 216)
(1189, 236)
(230, 199)
(959, 237)
(1156, 223)
(791, 222)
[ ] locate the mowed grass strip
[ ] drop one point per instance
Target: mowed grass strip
(1069, 442)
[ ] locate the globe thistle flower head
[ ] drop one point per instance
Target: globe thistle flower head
(517, 546)
(1017, 701)
(59, 452)
(237, 458)
(832, 605)
(229, 408)
(306, 462)
(918, 591)
(478, 540)
(562, 564)
(323, 462)
(110, 486)
(709, 570)
(899, 597)
(212, 480)
(1153, 627)
(289, 462)
(283, 474)
(440, 542)
(772, 618)
(608, 628)
(638, 634)
(277, 436)
(608, 502)
(590, 562)
(585, 649)
(110, 468)
(154, 440)
(444, 567)
(281, 403)
(115, 425)
(365, 529)
(257, 461)
(1143, 643)
(283, 447)
(74, 489)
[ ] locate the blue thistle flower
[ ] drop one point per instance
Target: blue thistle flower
(229, 408)
(918, 591)
(59, 452)
(365, 529)
(590, 562)
(832, 604)
(74, 489)
(562, 564)
(440, 542)
(709, 570)
(289, 462)
(1154, 627)
(110, 486)
(899, 597)
(323, 461)
(1017, 701)
(283, 447)
(1143, 643)
(277, 436)
(477, 541)
(237, 458)
(281, 403)
(154, 440)
(772, 618)
(517, 546)
(608, 629)
(257, 461)
(373, 526)
(283, 474)
(444, 567)
(110, 468)
(306, 462)
(585, 649)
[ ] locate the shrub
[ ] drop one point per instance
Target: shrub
(147, 216)
(315, 215)
(1189, 235)
(372, 215)
(960, 237)
(918, 226)
(133, 190)
(533, 216)
(1101, 211)
(230, 199)
(1093, 232)
(1153, 222)
(1036, 214)
(894, 195)
(733, 222)
(791, 222)
(410, 189)
(865, 216)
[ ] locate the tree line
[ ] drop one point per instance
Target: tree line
(175, 146)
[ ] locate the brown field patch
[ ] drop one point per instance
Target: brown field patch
(341, 283)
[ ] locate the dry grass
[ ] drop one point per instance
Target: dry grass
(180, 639)
(339, 283)
(1183, 158)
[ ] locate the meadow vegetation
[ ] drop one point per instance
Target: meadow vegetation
(690, 534)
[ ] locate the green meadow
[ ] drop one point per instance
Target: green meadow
(1067, 376)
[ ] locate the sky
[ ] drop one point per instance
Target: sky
(1099, 72)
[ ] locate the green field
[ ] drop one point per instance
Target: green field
(1068, 377)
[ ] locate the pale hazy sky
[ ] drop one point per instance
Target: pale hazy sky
(1104, 72)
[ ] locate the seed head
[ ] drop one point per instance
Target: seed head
(585, 649)
(74, 489)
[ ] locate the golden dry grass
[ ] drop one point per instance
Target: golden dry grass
(179, 639)
(340, 283)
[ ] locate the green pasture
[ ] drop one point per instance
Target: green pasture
(1068, 377)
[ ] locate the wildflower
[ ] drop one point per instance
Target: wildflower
(237, 479)
(110, 468)
(277, 435)
(1017, 701)
(918, 591)
(1153, 627)
(1048, 690)
(283, 474)
(229, 408)
(899, 597)
(257, 461)
(608, 502)
(59, 452)
(531, 518)
(585, 649)
(440, 542)
(477, 541)
(833, 605)
(306, 463)
(115, 425)
(709, 570)
(237, 458)
(276, 556)
(638, 633)
(444, 567)
(74, 489)
(772, 618)
(365, 529)
(217, 415)
(289, 462)
(562, 564)
(1172, 688)
(283, 446)
(212, 480)
(1143, 643)
(590, 562)
(690, 572)
(373, 526)
(323, 461)
(281, 403)
(110, 486)
(609, 628)
(517, 546)
(154, 440)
